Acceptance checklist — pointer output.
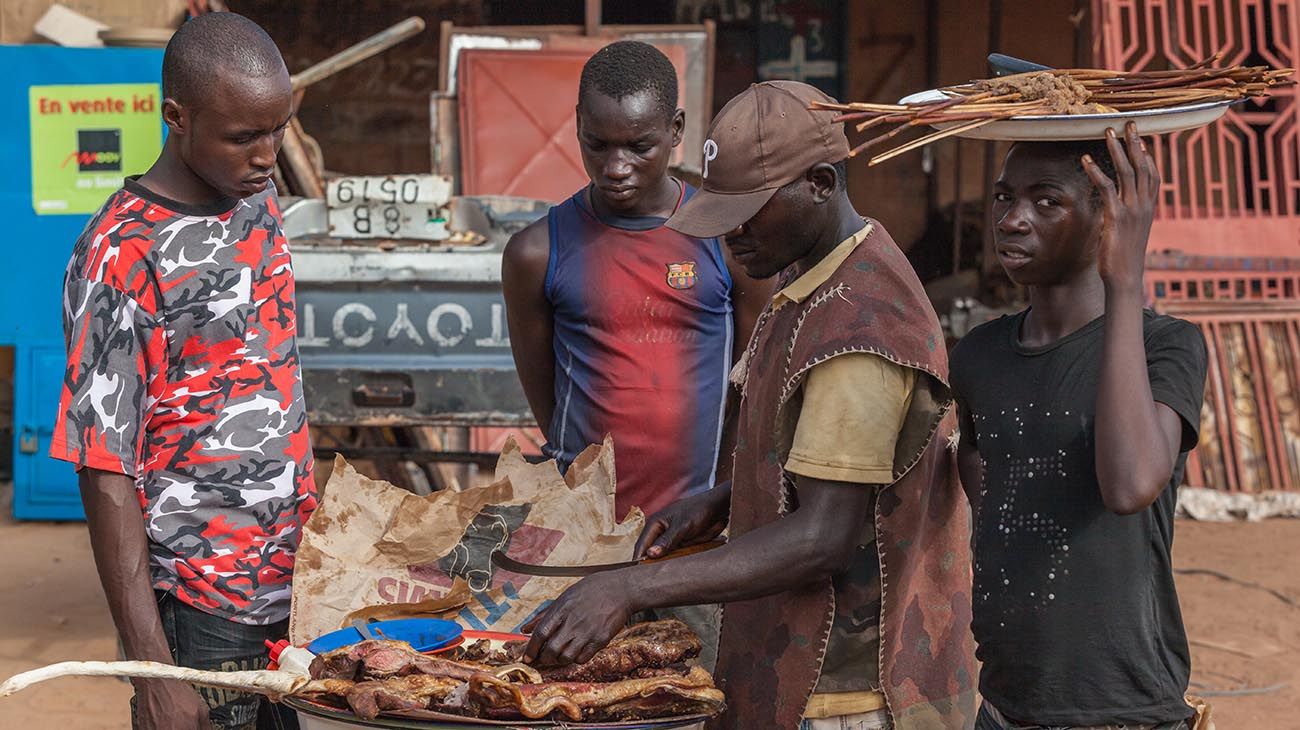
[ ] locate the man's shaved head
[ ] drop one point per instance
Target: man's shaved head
(216, 45)
(227, 100)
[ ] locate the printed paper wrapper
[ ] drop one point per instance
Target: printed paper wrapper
(372, 543)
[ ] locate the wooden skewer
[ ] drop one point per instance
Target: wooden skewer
(859, 106)
(1172, 81)
(1157, 94)
(964, 108)
(975, 115)
(1208, 61)
(854, 116)
(877, 140)
(922, 141)
(864, 126)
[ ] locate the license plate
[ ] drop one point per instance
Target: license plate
(389, 206)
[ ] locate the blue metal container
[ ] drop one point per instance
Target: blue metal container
(38, 243)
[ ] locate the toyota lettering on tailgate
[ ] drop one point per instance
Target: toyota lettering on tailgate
(399, 322)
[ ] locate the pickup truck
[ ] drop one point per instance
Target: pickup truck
(402, 331)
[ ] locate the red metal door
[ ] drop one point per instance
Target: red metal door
(517, 126)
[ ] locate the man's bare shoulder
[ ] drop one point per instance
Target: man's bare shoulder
(530, 248)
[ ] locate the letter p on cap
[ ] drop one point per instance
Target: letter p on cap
(710, 153)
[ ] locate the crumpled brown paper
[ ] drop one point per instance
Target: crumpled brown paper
(371, 543)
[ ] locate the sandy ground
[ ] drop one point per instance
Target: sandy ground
(1244, 638)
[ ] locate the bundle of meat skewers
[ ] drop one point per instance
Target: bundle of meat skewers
(967, 107)
(642, 674)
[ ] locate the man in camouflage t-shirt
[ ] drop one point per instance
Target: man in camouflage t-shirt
(182, 404)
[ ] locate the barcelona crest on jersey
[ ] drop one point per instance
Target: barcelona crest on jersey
(682, 276)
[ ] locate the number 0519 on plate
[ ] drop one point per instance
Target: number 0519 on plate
(389, 206)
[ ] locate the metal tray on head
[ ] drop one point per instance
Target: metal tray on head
(430, 720)
(1063, 127)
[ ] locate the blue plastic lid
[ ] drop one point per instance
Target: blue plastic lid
(425, 634)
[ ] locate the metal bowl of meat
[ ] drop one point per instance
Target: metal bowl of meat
(642, 679)
(314, 716)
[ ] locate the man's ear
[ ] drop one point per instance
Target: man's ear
(679, 126)
(175, 116)
(577, 119)
(824, 181)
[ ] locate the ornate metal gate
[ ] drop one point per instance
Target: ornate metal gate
(1226, 242)
(1235, 185)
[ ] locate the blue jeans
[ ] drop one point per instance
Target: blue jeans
(202, 641)
(990, 719)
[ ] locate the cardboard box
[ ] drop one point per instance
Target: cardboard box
(69, 28)
(18, 17)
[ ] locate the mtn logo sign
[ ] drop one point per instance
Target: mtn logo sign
(98, 150)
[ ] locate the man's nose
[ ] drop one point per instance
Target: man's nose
(264, 152)
(617, 167)
(1013, 220)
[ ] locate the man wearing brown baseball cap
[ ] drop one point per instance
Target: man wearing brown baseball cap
(844, 473)
(761, 140)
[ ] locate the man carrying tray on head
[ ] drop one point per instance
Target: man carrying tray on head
(846, 575)
(1077, 416)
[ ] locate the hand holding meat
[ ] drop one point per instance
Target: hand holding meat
(688, 521)
(582, 620)
(1128, 208)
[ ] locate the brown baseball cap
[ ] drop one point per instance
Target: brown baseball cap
(762, 139)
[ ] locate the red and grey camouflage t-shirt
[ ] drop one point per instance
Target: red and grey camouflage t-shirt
(183, 373)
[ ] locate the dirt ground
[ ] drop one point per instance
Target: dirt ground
(1244, 639)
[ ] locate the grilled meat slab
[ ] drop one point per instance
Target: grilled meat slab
(489, 696)
(379, 659)
(651, 645)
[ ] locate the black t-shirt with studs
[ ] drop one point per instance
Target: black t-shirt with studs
(1075, 610)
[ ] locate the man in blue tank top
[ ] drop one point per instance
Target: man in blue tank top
(618, 324)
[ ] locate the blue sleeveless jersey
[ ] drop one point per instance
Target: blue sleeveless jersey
(643, 332)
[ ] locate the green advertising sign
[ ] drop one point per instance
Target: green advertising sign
(86, 138)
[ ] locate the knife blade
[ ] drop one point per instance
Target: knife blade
(505, 562)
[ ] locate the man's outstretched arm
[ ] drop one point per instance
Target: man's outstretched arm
(811, 544)
(121, 548)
